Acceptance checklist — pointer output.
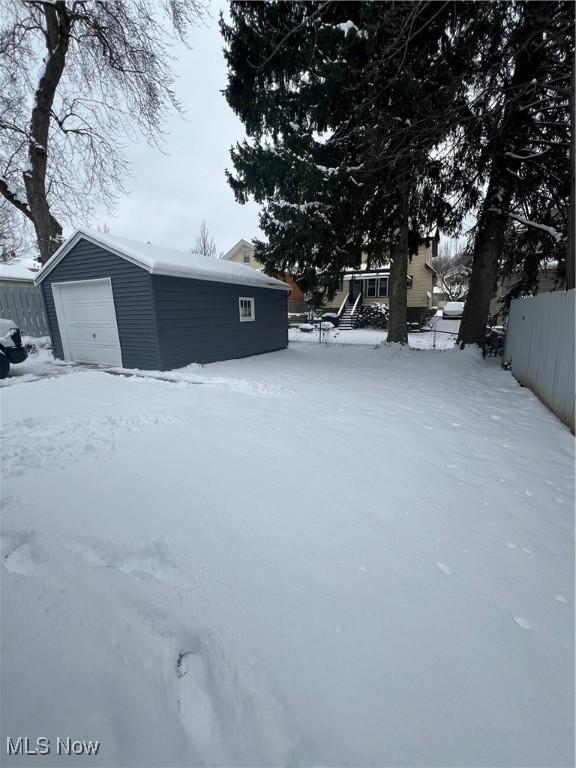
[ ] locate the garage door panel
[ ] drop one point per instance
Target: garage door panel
(87, 321)
(95, 353)
(88, 312)
(92, 333)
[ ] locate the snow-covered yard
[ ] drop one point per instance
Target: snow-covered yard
(323, 556)
(442, 335)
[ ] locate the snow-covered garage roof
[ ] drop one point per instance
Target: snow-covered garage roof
(165, 261)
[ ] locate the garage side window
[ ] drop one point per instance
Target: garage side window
(247, 311)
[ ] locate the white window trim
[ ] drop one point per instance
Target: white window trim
(252, 317)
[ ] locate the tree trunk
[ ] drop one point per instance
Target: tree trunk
(398, 316)
(570, 250)
(487, 246)
(493, 219)
(48, 229)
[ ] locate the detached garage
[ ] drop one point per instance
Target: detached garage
(119, 302)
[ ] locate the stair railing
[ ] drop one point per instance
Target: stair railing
(355, 307)
(342, 306)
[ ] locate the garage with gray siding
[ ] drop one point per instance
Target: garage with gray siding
(122, 303)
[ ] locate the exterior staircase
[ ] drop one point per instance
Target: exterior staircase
(345, 323)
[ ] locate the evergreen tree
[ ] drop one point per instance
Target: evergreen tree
(345, 105)
(515, 150)
(370, 124)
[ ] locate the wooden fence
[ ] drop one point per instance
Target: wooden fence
(540, 349)
(22, 303)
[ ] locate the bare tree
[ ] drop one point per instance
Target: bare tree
(453, 268)
(205, 245)
(78, 80)
(13, 240)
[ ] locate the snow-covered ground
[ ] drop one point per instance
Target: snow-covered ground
(324, 556)
(442, 335)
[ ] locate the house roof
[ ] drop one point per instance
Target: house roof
(240, 244)
(18, 271)
(165, 261)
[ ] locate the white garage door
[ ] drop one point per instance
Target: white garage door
(87, 321)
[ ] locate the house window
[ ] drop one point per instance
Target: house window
(247, 312)
(410, 281)
(377, 287)
(246, 256)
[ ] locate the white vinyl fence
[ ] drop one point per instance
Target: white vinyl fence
(540, 349)
(22, 303)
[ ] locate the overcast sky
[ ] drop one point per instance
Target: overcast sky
(170, 194)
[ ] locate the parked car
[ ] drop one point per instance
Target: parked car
(453, 310)
(12, 350)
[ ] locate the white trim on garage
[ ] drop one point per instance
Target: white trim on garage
(111, 352)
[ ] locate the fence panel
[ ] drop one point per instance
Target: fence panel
(22, 303)
(540, 349)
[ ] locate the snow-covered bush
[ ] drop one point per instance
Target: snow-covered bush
(371, 316)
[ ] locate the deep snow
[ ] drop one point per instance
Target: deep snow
(324, 556)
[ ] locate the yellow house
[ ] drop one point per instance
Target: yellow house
(370, 285)
(243, 253)
(367, 285)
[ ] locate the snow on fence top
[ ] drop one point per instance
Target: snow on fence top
(20, 271)
(166, 261)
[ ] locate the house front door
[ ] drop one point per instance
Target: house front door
(355, 289)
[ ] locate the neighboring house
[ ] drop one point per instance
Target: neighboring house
(439, 297)
(370, 285)
(20, 300)
(243, 253)
(547, 280)
(123, 303)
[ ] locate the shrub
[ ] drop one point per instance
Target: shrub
(371, 316)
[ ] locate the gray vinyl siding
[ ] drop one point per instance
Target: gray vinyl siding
(133, 299)
(198, 321)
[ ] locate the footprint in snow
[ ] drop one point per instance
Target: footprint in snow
(20, 557)
(510, 545)
(522, 623)
(444, 568)
(194, 701)
(559, 597)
